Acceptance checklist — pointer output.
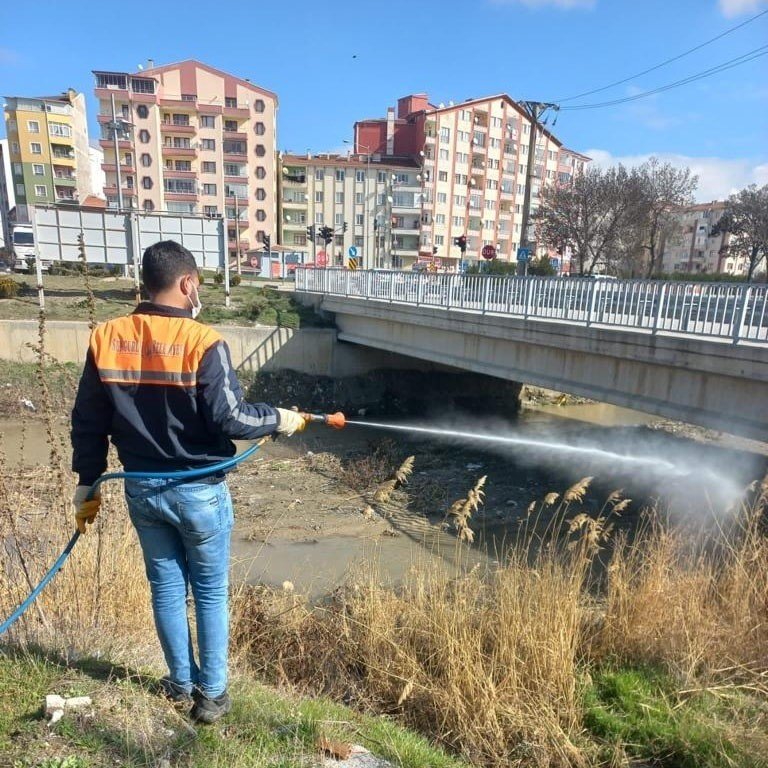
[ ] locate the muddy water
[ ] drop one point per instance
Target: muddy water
(294, 524)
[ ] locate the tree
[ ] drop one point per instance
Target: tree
(660, 188)
(542, 267)
(746, 219)
(587, 214)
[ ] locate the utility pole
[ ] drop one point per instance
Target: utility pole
(237, 237)
(534, 110)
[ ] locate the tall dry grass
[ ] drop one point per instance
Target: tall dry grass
(491, 663)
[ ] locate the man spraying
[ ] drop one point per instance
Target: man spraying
(161, 386)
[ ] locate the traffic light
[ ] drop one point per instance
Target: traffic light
(434, 250)
(326, 234)
(267, 242)
(344, 227)
(311, 233)
(461, 242)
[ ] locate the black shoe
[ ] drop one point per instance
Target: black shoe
(174, 692)
(207, 710)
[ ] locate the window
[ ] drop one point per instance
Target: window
(207, 121)
(33, 126)
(261, 194)
(458, 221)
(381, 176)
(318, 218)
(464, 114)
(339, 219)
(339, 240)
(381, 199)
(442, 197)
(490, 205)
(179, 186)
(128, 159)
(143, 113)
(146, 182)
(439, 240)
(521, 189)
(551, 154)
(35, 148)
(492, 184)
(445, 135)
(462, 157)
(493, 164)
(261, 172)
(359, 175)
(339, 174)
(20, 190)
(496, 122)
(145, 160)
(260, 150)
(358, 219)
(144, 136)
(259, 129)
(460, 200)
(182, 165)
(518, 208)
(359, 198)
(210, 210)
(15, 147)
(319, 196)
(319, 174)
(359, 241)
(230, 101)
(139, 85)
(442, 175)
(230, 125)
(178, 142)
(494, 143)
(258, 105)
(460, 179)
(479, 139)
(208, 166)
(440, 218)
(148, 205)
(299, 238)
(129, 182)
(208, 144)
(339, 198)
(463, 135)
(445, 154)
(488, 224)
(209, 189)
(38, 170)
(176, 207)
(260, 215)
(41, 190)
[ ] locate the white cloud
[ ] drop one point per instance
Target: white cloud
(718, 177)
(731, 8)
(564, 4)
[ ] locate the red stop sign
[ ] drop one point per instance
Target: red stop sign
(322, 259)
(489, 252)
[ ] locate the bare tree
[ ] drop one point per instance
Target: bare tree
(586, 214)
(661, 188)
(746, 218)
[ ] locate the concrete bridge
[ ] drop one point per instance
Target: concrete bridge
(689, 351)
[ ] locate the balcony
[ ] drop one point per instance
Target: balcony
(110, 168)
(236, 135)
(110, 144)
(111, 189)
(183, 105)
(181, 197)
(179, 151)
(234, 157)
(64, 181)
(184, 128)
(239, 111)
(172, 173)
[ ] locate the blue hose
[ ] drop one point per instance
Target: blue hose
(187, 474)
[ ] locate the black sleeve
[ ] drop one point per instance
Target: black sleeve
(222, 401)
(91, 421)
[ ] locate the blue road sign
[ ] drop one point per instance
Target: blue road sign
(523, 254)
(555, 263)
(352, 251)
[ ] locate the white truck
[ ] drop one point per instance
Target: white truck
(23, 242)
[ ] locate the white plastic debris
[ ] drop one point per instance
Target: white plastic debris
(55, 705)
(27, 403)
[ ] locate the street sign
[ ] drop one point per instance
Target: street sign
(322, 259)
(489, 252)
(352, 264)
(555, 263)
(438, 262)
(255, 262)
(523, 254)
(352, 251)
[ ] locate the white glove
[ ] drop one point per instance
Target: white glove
(290, 422)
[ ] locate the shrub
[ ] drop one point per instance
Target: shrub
(8, 288)
(256, 307)
(235, 280)
(218, 278)
(201, 276)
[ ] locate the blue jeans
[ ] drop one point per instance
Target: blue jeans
(184, 532)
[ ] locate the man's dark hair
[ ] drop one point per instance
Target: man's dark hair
(164, 263)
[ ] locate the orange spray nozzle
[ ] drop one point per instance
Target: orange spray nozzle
(335, 420)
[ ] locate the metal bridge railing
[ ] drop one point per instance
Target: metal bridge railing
(735, 311)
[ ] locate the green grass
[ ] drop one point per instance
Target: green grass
(132, 726)
(643, 711)
(65, 300)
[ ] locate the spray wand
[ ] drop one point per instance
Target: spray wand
(334, 420)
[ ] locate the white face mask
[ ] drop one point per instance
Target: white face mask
(197, 305)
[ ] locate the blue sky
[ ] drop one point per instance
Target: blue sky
(336, 61)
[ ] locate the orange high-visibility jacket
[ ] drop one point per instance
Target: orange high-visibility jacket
(161, 386)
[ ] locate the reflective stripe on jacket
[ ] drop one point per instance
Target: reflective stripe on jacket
(162, 387)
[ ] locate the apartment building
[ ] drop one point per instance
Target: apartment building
(697, 247)
(473, 160)
(369, 201)
(48, 150)
(194, 140)
(5, 196)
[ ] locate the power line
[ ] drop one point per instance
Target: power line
(667, 61)
(738, 61)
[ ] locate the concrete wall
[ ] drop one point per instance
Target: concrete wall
(313, 351)
(714, 384)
